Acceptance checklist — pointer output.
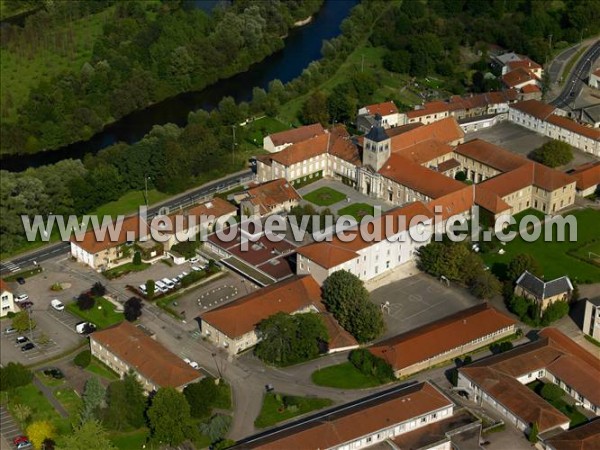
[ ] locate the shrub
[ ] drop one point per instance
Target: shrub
(133, 309)
(137, 258)
(83, 359)
(371, 365)
(85, 301)
(192, 278)
(14, 375)
(98, 289)
(150, 289)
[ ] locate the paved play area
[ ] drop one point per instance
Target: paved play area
(418, 300)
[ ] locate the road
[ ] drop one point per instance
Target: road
(576, 80)
(180, 201)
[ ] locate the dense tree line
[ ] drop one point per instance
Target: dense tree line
(424, 38)
(145, 54)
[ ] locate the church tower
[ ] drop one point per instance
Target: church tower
(376, 147)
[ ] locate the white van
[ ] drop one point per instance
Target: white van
(21, 298)
(57, 305)
(162, 287)
(168, 283)
(143, 289)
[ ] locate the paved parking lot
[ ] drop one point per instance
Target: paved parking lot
(418, 300)
(38, 353)
(9, 427)
(522, 141)
(65, 318)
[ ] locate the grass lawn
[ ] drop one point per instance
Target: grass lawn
(343, 376)
(570, 411)
(558, 258)
(130, 439)
(98, 368)
(223, 400)
(24, 67)
(41, 409)
(273, 410)
(49, 381)
(129, 202)
(357, 210)
(324, 196)
(124, 269)
(254, 132)
(70, 400)
(102, 315)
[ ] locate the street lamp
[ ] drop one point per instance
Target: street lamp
(214, 355)
(146, 178)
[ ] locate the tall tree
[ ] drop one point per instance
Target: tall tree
(39, 431)
(169, 417)
(133, 309)
(88, 435)
(346, 297)
(201, 396)
(93, 399)
(315, 109)
(521, 263)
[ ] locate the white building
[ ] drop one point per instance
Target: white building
(400, 234)
(591, 318)
(594, 80)
(390, 117)
(7, 301)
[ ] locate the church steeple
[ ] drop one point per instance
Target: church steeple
(376, 149)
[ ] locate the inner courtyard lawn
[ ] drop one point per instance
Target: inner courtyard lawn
(357, 210)
(575, 259)
(324, 196)
(343, 376)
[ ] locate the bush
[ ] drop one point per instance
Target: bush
(371, 365)
(201, 396)
(83, 359)
(553, 154)
(85, 301)
(555, 311)
(150, 289)
(192, 277)
(501, 347)
(14, 375)
(98, 289)
(133, 309)
(137, 259)
(551, 392)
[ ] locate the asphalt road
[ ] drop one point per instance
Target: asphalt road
(556, 66)
(577, 77)
(180, 201)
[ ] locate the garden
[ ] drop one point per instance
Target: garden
(554, 395)
(103, 313)
(357, 210)
(324, 196)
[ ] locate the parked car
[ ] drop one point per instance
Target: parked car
(54, 372)
(22, 339)
(269, 388)
(175, 281)
(21, 280)
(194, 365)
(21, 440)
(21, 298)
(143, 289)
(27, 347)
(10, 330)
(57, 305)
(24, 444)
(85, 328)
(194, 260)
(167, 282)
(196, 268)
(25, 305)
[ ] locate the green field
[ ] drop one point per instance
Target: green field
(273, 410)
(357, 210)
(343, 376)
(324, 196)
(24, 66)
(41, 409)
(370, 60)
(558, 258)
(254, 132)
(102, 315)
(129, 203)
(69, 399)
(125, 440)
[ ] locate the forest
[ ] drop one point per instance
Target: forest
(147, 51)
(177, 158)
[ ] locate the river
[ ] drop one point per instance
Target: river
(302, 46)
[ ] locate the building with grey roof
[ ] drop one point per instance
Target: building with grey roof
(543, 292)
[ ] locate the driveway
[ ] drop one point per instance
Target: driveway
(417, 301)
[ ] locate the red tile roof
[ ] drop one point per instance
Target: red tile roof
(296, 135)
(568, 124)
(490, 200)
(383, 109)
(446, 130)
(145, 355)
(524, 63)
(425, 151)
(431, 108)
(534, 108)
(4, 286)
(443, 335)
(327, 254)
(517, 77)
(491, 155)
(354, 422)
(341, 145)
(587, 175)
(530, 88)
(301, 151)
(271, 194)
(583, 437)
(509, 182)
(554, 352)
(447, 165)
(338, 337)
(92, 245)
(418, 178)
(454, 203)
(243, 315)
